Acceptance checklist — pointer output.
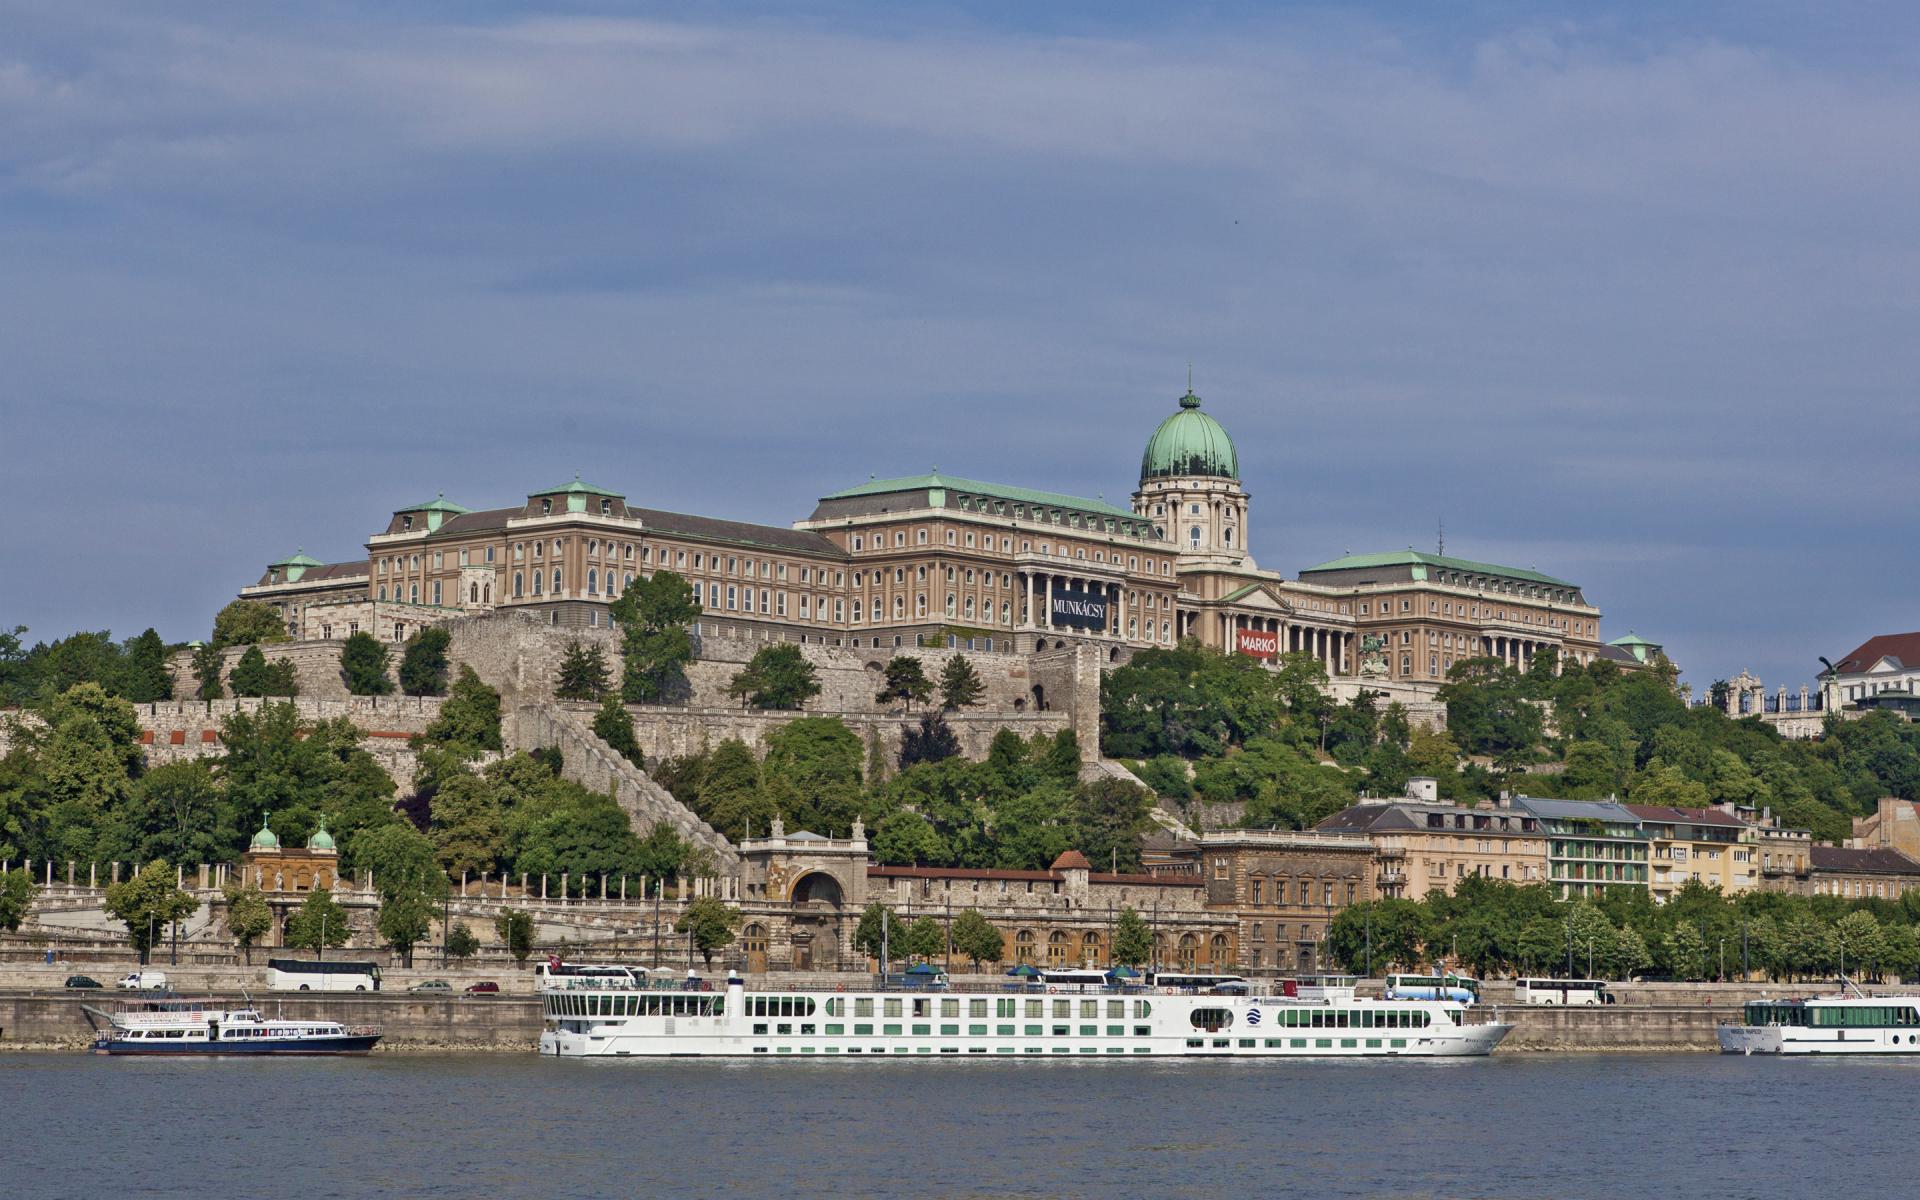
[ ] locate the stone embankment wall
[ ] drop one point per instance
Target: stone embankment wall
(316, 666)
(54, 1020)
(669, 732)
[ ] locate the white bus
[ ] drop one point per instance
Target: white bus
(1075, 979)
(322, 975)
(551, 974)
(1193, 981)
(1458, 988)
(1562, 991)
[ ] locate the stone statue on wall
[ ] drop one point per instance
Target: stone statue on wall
(1373, 655)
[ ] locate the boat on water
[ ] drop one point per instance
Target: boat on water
(174, 1026)
(1851, 1022)
(599, 1015)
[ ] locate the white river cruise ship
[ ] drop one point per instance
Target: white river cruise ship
(1843, 1024)
(609, 1016)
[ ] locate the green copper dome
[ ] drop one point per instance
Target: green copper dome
(1189, 443)
(321, 839)
(265, 839)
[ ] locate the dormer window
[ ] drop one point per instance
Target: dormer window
(606, 508)
(406, 522)
(546, 506)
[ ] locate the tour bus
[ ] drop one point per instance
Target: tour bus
(322, 975)
(1562, 991)
(1432, 987)
(1190, 981)
(1075, 979)
(555, 974)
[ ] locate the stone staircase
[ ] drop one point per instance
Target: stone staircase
(590, 762)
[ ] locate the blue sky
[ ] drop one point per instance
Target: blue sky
(1625, 295)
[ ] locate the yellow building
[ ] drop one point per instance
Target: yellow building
(1698, 845)
(1422, 844)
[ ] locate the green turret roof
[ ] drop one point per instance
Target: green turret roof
(265, 839)
(299, 558)
(576, 488)
(1403, 558)
(439, 504)
(321, 839)
(1632, 639)
(1189, 443)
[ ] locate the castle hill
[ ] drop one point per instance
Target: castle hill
(971, 726)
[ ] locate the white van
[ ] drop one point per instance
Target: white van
(144, 980)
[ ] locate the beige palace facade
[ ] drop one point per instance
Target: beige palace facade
(889, 562)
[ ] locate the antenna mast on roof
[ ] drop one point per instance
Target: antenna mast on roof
(1441, 550)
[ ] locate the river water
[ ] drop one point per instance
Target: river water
(1697, 1127)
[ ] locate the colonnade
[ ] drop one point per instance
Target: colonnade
(1333, 648)
(1042, 586)
(1518, 652)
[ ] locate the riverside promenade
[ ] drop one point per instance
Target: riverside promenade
(41, 1014)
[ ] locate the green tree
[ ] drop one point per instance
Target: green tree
(613, 724)
(248, 917)
(906, 679)
(249, 623)
(925, 940)
(932, 741)
(960, 685)
(878, 934)
(404, 922)
(514, 928)
(1132, 939)
(1381, 934)
(175, 811)
(1862, 941)
(653, 616)
(469, 719)
(146, 678)
(976, 937)
(17, 891)
(251, 676)
(905, 838)
(583, 673)
(461, 942)
(148, 903)
(1630, 953)
(1109, 817)
(208, 663)
(713, 923)
(778, 676)
(1687, 952)
(363, 665)
(811, 774)
(423, 665)
(319, 923)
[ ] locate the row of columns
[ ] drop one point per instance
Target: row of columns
(1518, 652)
(1333, 648)
(1042, 585)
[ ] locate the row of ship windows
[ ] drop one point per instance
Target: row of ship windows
(1192, 1043)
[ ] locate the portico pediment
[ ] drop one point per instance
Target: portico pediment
(1258, 597)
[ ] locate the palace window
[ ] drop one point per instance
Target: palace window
(519, 585)
(593, 583)
(436, 591)
(556, 581)
(413, 592)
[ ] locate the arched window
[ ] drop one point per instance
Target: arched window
(1189, 950)
(556, 580)
(1221, 956)
(1193, 535)
(1059, 944)
(1090, 948)
(1023, 946)
(593, 583)
(413, 593)
(473, 593)
(537, 578)
(486, 593)
(519, 585)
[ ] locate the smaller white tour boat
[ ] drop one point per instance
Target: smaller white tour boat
(1849, 1023)
(194, 1027)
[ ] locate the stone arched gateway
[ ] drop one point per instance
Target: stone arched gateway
(815, 926)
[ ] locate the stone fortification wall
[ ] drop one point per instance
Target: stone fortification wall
(171, 731)
(589, 762)
(316, 666)
(669, 732)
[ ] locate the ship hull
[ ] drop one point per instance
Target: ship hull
(302, 1047)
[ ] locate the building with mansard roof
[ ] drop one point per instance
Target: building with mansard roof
(941, 558)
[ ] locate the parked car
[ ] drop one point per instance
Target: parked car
(82, 981)
(486, 987)
(431, 985)
(144, 981)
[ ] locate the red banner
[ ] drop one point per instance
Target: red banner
(1259, 643)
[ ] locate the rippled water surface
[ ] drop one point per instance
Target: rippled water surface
(1618, 1127)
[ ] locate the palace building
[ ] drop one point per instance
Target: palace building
(938, 558)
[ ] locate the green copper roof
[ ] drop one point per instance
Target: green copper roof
(999, 491)
(1189, 443)
(1407, 558)
(299, 558)
(265, 839)
(439, 504)
(576, 488)
(321, 839)
(1632, 640)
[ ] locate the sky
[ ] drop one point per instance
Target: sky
(1624, 294)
